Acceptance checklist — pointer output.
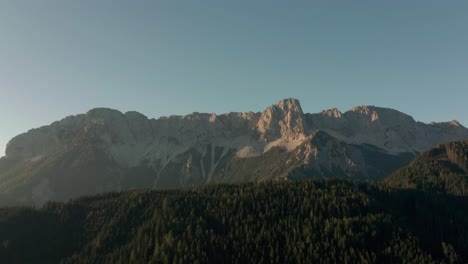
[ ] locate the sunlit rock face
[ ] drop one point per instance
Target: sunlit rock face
(385, 128)
(105, 150)
(283, 120)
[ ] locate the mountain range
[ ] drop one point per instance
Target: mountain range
(106, 150)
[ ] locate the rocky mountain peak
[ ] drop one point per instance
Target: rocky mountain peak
(134, 115)
(362, 109)
(385, 115)
(455, 123)
(333, 113)
(290, 105)
(282, 120)
(368, 111)
(213, 117)
(103, 113)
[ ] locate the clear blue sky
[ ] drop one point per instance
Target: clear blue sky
(63, 57)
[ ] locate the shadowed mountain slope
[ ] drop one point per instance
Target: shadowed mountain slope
(442, 169)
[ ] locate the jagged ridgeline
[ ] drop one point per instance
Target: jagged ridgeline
(106, 150)
(312, 221)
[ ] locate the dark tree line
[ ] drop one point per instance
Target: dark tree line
(321, 221)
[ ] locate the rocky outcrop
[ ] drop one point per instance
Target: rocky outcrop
(283, 120)
(385, 128)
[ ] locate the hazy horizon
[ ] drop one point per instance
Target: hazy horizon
(167, 57)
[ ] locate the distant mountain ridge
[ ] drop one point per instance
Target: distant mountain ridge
(106, 150)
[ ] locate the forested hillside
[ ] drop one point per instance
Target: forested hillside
(322, 221)
(443, 169)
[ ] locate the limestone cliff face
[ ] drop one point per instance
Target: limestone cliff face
(283, 120)
(44, 140)
(181, 151)
(385, 128)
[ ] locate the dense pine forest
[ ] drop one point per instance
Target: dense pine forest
(313, 221)
(443, 169)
